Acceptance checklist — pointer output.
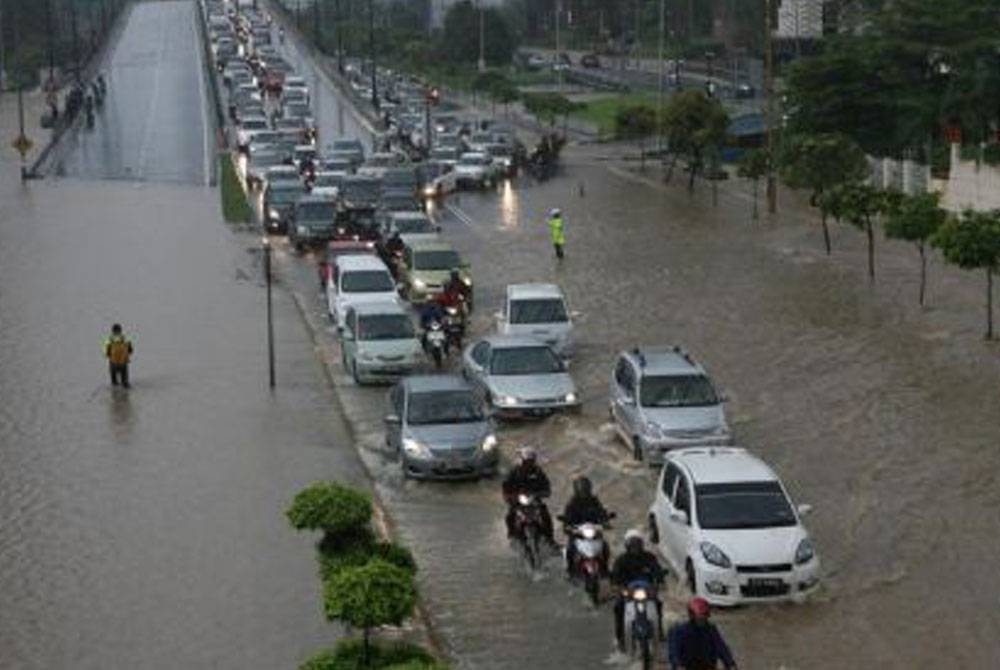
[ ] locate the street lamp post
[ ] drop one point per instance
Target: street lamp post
(340, 37)
(270, 318)
(371, 48)
(482, 37)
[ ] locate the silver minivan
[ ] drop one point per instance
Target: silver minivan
(662, 399)
(379, 342)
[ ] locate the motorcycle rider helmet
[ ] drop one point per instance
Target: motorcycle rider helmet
(582, 487)
(555, 211)
(633, 541)
(698, 608)
(528, 455)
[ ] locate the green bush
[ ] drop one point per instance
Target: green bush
(372, 595)
(333, 508)
(349, 655)
(356, 553)
(235, 208)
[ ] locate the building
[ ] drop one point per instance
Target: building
(800, 19)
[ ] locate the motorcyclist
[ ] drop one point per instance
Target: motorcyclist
(455, 292)
(583, 507)
(281, 35)
(636, 564)
(697, 644)
(527, 477)
(431, 312)
(394, 245)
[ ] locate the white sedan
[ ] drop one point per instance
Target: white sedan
(724, 523)
(439, 180)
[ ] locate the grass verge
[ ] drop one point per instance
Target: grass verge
(235, 208)
(601, 112)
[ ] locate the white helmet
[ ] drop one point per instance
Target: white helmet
(633, 533)
(527, 453)
(555, 211)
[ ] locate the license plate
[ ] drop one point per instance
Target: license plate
(765, 583)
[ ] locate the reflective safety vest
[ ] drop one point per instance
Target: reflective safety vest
(118, 349)
(556, 228)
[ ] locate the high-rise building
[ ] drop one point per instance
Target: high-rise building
(800, 19)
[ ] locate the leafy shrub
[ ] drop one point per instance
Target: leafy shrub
(371, 595)
(332, 559)
(331, 507)
(349, 655)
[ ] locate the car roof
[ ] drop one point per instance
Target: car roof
(370, 308)
(424, 383)
(360, 262)
(407, 215)
(314, 197)
(427, 244)
(511, 341)
(721, 465)
(529, 291)
(474, 154)
(664, 361)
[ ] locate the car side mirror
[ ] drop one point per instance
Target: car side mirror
(680, 516)
(392, 419)
(804, 509)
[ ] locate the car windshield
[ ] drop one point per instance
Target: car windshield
(407, 226)
(441, 155)
(327, 180)
(367, 281)
(473, 160)
(743, 505)
(400, 178)
(527, 360)
(548, 310)
(254, 124)
(444, 259)
(385, 327)
(345, 145)
(316, 211)
(677, 391)
(284, 196)
(434, 407)
(500, 150)
(299, 110)
(267, 159)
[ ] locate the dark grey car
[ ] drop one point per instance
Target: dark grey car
(439, 427)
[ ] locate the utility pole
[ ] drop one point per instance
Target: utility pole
(660, 76)
(340, 37)
(371, 48)
(772, 186)
(482, 37)
(559, 74)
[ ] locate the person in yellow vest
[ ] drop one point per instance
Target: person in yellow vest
(118, 350)
(556, 229)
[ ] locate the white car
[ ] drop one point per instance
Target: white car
(249, 128)
(356, 279)
(724, 522)
(439, 180)
(538, 311)
(475, 170)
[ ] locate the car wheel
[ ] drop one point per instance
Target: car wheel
(654, 532)
(637, 448)
(692, 578)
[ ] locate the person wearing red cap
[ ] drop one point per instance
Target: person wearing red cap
(697, 644)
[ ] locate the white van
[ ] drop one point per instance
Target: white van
(538, 311)
(356, 279)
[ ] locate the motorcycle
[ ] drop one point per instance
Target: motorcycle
(640, 623)
(589, 559)
(436, 343)
(454, 326)
(528, 528)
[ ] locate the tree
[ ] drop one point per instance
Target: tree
(337, 510)
(636, 122)
(693, 123)
(972, 242)
(459, 40)
(549, 106)
(819, 163)
(754, 165)
(370, 596)
(916, 218)
(349, 654)
(497, 86)
(860, 204)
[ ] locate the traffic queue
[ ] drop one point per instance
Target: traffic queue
(400, 296)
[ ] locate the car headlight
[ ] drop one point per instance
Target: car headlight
(365, 356)
(273, 213)
(415, 449)
(654, 429)
(429, 190)
(714, 555)
(805, 552)
(302, 230)
(467, 281)
(419, 284)
(506, 400)
(489, 443)
(570, 397)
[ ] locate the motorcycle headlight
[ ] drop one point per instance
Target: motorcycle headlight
(524, 499)
(714, 555)
(639, 594)
(273, 213)
(506, 400)
(489, 443)
(570, 397)
(805, 552)
(467, 281)
(429, 190)
(588, 533)
(414, 448)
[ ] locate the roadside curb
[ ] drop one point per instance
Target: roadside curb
(384, 522)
